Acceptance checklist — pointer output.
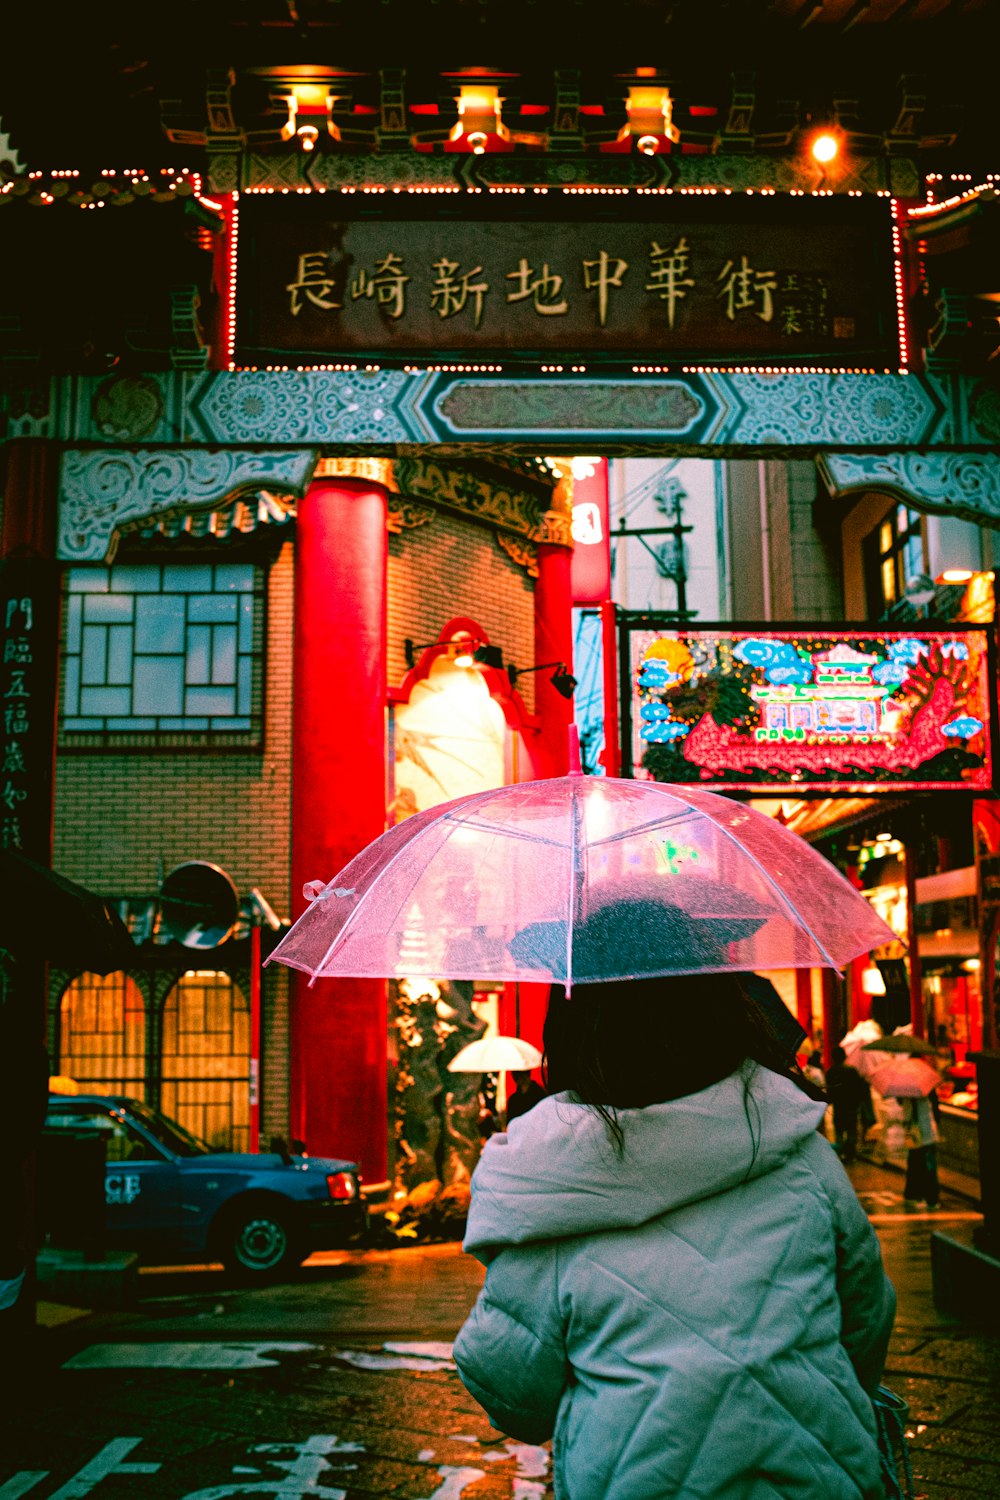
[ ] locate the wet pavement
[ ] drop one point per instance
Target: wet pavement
(338, 1383)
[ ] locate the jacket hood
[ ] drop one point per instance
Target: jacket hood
(555, 1173)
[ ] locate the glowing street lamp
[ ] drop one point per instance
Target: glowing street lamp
(825, 148)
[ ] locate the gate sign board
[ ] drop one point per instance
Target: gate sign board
(724, 279)
(801, 710)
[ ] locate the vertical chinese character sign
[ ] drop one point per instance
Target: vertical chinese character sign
(29, 604)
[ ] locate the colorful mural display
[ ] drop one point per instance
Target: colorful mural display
(810, 710)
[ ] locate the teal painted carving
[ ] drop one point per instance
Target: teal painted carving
(104, 491)
(708, 413)
(127, 408)
(558, 406)
(304, 406)
(872, 411)
(966, 485)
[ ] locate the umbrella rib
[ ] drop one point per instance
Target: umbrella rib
(317, 972)
(499, 831)
(771, 882)
(664, 822)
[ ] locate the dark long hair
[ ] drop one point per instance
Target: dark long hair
(631, 1043)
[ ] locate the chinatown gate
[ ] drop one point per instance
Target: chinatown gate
(374, 330)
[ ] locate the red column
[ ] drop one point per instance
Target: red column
(338, 1028)
(832, 1029)
(553, 642)
(803, 1002)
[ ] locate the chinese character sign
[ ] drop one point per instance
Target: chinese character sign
(812, 710)
(792, 282)
(28, 635)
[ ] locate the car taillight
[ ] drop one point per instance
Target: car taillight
(341, 1185)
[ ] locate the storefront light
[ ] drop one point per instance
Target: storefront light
(872, 982)
(971, 965)
(479, 117)
(650, 117)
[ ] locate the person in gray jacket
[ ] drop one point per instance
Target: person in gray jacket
(682, 1288)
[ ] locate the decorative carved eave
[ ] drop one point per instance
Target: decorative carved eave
(966, 485)
(935, 225)
(508, 507)
(413, 172)
(516, 496)
(69, 187)
(105, 491)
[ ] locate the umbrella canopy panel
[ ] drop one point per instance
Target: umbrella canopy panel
(582, 880)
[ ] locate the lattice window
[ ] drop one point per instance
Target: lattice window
(102, 1034)
(206, 1059)
(162, 654)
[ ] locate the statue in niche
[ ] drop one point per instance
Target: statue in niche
(436, 1113)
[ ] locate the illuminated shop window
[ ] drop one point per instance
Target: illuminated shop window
(161, 653)
(205, 1068)
(893, 553)
(102, 1034)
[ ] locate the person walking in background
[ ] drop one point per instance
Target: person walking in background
(846, 1091)
(681, 1286)
(813, 1069)
(921, 1187)
(527, 1093)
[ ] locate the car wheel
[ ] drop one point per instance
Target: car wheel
(258, 1242)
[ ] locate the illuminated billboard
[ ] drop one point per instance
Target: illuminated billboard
(808, 710)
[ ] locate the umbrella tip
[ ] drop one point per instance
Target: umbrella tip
(575, 764)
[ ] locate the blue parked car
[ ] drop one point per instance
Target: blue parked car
(171, 1197)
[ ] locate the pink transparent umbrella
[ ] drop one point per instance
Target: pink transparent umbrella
(896, 1075)
(577, 880)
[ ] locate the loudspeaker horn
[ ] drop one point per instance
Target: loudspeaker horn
(199, 904)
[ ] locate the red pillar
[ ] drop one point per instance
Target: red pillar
(803, 1002)
(338, 1028)
(553, 643)
(832, 1029)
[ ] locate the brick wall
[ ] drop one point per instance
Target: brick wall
(118, 816)
(454, 567)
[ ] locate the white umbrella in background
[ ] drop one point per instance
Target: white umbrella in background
(496, 1054)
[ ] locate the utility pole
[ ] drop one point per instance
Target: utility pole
(674, 569)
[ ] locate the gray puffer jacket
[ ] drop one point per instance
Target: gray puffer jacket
(687, 1321)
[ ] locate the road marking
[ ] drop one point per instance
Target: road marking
(304, 1472)
(107, 1463)
(364, 1359)
(455, 1482)
(532, 1461)
(21, 1483)
(426, 1350)
(181, 1356)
